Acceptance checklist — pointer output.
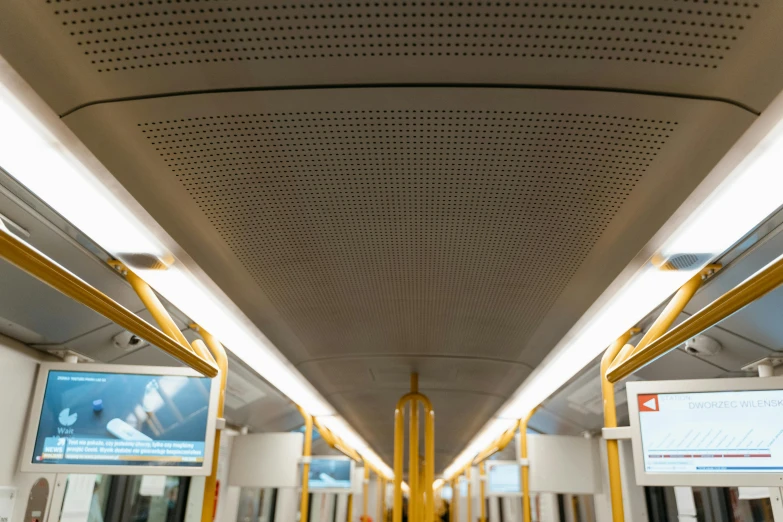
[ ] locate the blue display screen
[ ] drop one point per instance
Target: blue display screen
(120, 419)
(330, 474)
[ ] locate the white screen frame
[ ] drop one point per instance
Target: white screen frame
(494, 463)
(28, 466)
(643, 478)
(348, 489)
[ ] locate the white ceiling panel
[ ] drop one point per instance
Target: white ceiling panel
(454, 223)
(81, 52)
(418, 186)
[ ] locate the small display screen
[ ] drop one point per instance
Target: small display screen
(712, 432)
(122, 419)
(503, 478)
(330, 474)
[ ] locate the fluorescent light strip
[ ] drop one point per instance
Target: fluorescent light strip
(38, 150)
(742, 190)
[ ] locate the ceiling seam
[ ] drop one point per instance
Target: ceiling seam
(411, 356)
(378, 389)
(415, 86)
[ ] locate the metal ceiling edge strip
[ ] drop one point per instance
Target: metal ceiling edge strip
(384, 389)
(416, 86)
(360, 357)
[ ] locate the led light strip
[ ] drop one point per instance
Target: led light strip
(39, 151)
(743, 189)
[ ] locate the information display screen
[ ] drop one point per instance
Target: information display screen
(330, 473)
(701, 433)
(503, 479)
(122, 420)
(721, 432)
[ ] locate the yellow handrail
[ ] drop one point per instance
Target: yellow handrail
(610, 421)
(453, 516)
(754, 287)
(420, 486)
(28, 259)
(527, 515)
(336, 442)
(307, 450)
(469, 499)
(381, 498)
(218, 352)
(366, 491)
(499, 445)
(482, 492)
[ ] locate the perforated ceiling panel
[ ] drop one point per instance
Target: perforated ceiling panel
(370, 232)
(389, 227)
(131, 35)
(109, 49)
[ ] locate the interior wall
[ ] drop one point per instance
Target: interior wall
(18, 367)
(634, 502)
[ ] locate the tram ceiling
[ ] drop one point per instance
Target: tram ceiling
(414, 186)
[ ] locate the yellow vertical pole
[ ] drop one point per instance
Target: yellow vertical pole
(366, 490)
(610, 421)
(349, 516)
(527, 515)
(399, 436)
(454, 500)
(429, 465)
(304, 505)
(209, 504)
(469, 508)
(483, 492)
(381, 499)
(414, 505)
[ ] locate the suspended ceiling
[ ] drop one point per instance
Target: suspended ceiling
(394, 186)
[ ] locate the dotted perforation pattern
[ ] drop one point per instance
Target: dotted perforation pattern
(410, 230)
(121, 36)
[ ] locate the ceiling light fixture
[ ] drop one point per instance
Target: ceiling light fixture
(40, 152)
(743, 189)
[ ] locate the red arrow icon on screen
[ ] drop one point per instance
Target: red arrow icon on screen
(648, 403)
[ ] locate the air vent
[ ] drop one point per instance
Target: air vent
(121, 36)
(680, 261)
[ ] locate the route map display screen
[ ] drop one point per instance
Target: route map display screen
(503, 479)
(723, 432)
(122, 420)
(330, 474)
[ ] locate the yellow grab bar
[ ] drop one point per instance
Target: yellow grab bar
(482, 492)
(610, 421)
(754, 287)
(218, 353)
(422, 500)
(307, 450)
(26, 258)
(527, 515)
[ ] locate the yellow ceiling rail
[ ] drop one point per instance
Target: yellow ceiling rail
(754, 287)
(498, 445)
(336, 442)
(30, 260)
(671, 311)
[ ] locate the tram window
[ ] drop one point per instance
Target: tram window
(749, 510)
(85, 499)
(256, 505)
(162, 505)
(105, 498)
